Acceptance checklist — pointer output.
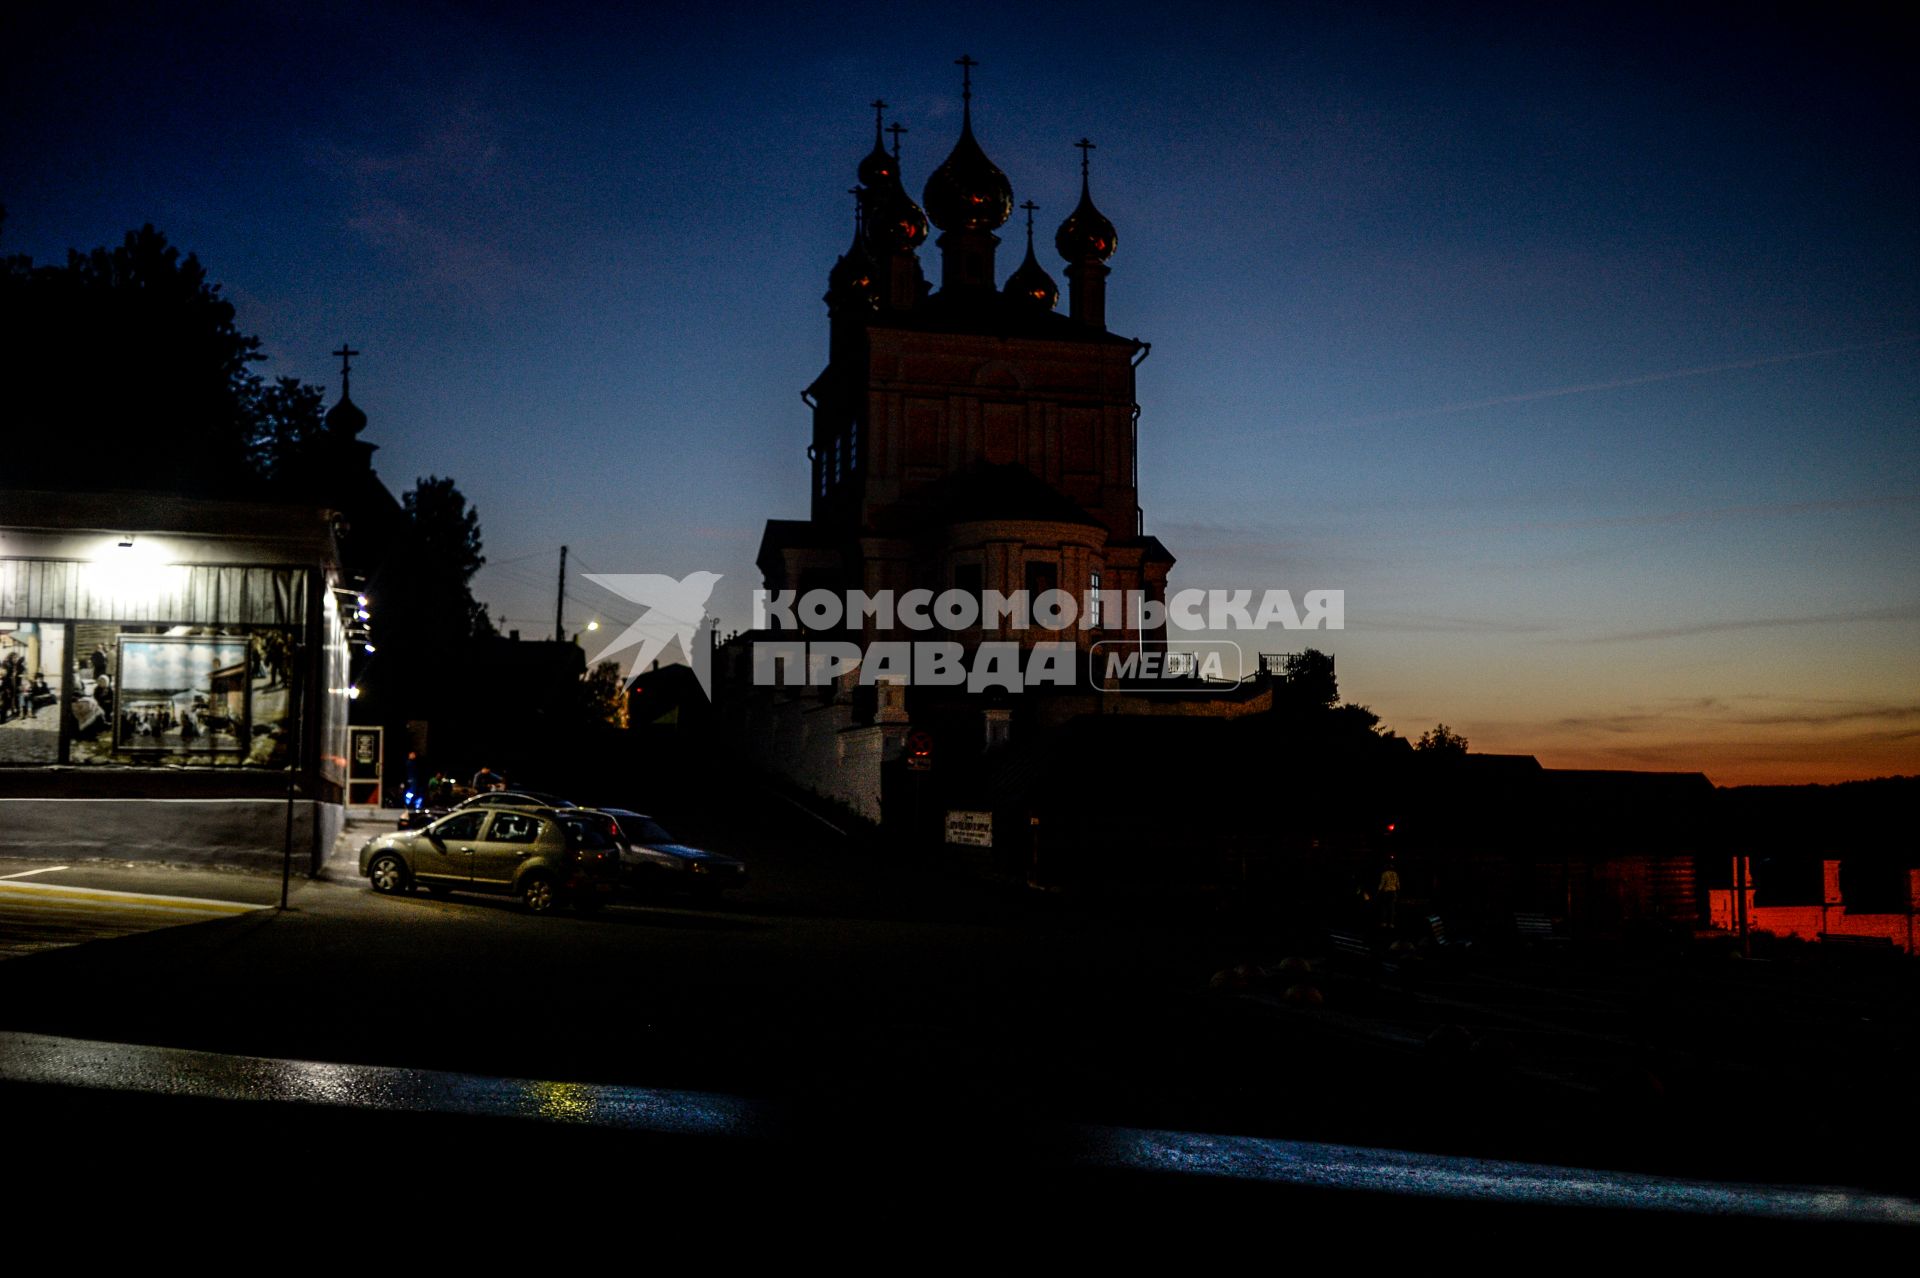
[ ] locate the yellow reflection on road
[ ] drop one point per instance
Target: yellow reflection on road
(562, 1102)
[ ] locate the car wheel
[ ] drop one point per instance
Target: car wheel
(388, 874)
(537, 894)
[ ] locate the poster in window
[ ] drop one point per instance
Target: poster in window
(32, 674)
(182, 695)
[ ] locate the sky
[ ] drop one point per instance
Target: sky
(1580, 348)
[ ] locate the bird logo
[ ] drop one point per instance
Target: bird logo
(675, 609)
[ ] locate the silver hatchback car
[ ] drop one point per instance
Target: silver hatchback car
(544, 856)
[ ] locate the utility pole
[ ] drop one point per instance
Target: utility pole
(560, 597)
(297, 721)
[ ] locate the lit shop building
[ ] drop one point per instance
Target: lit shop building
(171, 671)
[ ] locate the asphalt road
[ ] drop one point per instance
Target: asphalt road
(873, 1004)
(48, 906)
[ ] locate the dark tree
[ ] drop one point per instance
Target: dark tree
(125, 369)
(605, 694)
(427, 611)
(1440, 739)
(1307, 680)
(289, 438)
(1357, 719)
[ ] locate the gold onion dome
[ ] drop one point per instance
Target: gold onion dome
(968, 192)
(895, 223)
(878, 168)
(1029, 281)
(1086, 233)
(853, 278)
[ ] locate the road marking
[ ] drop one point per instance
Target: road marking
(68, 901)
(36, 917)
(47, 869)
(52, 894)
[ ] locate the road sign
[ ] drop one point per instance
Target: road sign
(920, 751)
(969, 829)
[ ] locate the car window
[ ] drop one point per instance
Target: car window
(582, 834)
(514, 827)
(644, 830)
(464, 825)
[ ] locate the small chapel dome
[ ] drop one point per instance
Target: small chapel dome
(345, 418)
(1030, 281)
(1086, 234)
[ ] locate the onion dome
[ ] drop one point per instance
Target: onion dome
(345, 418)
(878, 168)
(968, 192)
(854, 282)
(1086, 234)
(1029, 281)
(895, 223)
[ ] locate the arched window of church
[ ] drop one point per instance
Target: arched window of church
(1093, 600)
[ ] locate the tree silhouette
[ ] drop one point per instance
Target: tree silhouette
(125, 369)
(1307, 680)
(425, 587)
(605, 694)
(1440, 739)
(288, 440)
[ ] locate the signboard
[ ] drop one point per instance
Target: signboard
(970, 829)
(920, 751)
(365, 755)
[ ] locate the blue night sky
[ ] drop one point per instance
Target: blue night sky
(1582, 352)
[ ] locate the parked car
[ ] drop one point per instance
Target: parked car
(420, 815)
(515, 799)
(544, 856)
(651, 859)
(426, 814)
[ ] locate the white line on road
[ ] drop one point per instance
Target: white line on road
(45, 869)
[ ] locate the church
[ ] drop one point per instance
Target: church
(969, 436)
(980, 435)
